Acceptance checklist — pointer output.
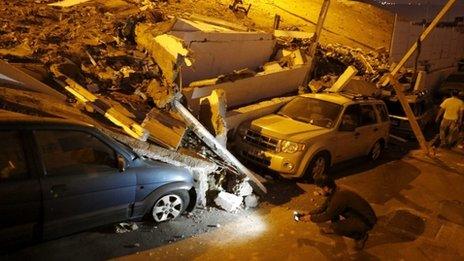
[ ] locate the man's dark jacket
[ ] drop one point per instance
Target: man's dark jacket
(347, 204)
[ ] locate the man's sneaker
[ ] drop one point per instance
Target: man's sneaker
(359, 244)
(326, 230)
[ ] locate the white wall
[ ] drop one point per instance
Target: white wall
(442, 49)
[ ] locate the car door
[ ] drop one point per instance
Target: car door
(384, 121)
(20, 195)
(82, 185)
(369, 128)
(347, 138)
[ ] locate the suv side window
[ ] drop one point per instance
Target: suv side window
(383, 112)
(351, 117)
(13, 164)
(74, 152)
(368, 116)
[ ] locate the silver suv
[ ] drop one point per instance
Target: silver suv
(313, 131)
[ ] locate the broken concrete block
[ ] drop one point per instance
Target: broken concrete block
(272, 67)
(293, 34)
(251, 201)
(167, 50)
(22, 50)
(165, 128)
(242, 189)
(246, 91)
(161, 95)
(211, 44)
(212, 114)
(227, 201)
(235, 117)
(343, 80)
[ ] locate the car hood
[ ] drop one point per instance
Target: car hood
(281, 127)
(152, 171)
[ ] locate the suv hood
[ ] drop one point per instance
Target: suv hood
(281, 127)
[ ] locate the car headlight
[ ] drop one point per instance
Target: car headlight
(291, 147)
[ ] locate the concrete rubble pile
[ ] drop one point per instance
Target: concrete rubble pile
(335, 58)
(173, 88)
(124, 61)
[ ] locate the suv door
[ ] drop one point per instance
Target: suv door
(369, 128)
(82, 185)
(384, 120)
(20, 195)
(346, 136)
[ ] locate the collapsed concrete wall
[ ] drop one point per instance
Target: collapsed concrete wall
(218, 50)
(246, 91)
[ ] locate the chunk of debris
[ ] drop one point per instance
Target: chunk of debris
(242, 189)
(167, 50)
(343, 80)
(220, 150)
(212, 114)
(126, 227)
(251, 201)
(23, 50)
(165, 128)
(293, 34)
(227, 201)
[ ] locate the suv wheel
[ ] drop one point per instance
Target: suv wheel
(376, 151)
(318, 166)
(170, 206)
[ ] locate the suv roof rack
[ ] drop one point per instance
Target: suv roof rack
(355, 96)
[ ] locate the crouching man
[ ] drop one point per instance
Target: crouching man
(349, 214)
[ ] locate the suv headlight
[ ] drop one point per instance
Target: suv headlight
(291, 147)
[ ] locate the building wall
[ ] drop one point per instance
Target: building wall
(442, 49)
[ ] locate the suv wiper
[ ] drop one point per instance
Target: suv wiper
(282, 114)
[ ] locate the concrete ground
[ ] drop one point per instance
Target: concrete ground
(419, 202)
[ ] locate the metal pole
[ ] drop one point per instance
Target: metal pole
(319, 27)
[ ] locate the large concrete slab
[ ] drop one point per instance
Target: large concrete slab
(218, 50)
(250, 90)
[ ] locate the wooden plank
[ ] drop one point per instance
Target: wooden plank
(410, 114)
(220, 150)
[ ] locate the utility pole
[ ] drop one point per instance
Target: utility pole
(392, 77)
(319, 27)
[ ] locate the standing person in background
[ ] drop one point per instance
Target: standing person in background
(452, 110)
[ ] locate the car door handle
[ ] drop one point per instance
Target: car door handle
(376, 129)
(357, 134)
(60, 188)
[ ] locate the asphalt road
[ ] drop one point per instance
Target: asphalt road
(408, 194)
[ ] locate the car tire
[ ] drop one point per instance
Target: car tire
(318, 166)
(376, 151)
(170, 206)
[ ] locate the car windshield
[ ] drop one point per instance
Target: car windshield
(316, 112)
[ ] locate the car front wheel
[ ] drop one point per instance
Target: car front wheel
(318, 166)
(170, 206)
(376, 151)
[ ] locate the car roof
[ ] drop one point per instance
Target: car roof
(330, 97)
(337, 98)
(19, 118)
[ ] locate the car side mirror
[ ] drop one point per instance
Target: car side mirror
(121, 163)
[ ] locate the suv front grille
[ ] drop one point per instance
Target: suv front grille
(261, 160)
(260, 140)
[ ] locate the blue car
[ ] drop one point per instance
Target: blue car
(59, 177)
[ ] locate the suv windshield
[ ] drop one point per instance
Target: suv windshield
(316, 112)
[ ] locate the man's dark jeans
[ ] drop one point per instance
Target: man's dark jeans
(352, 226)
